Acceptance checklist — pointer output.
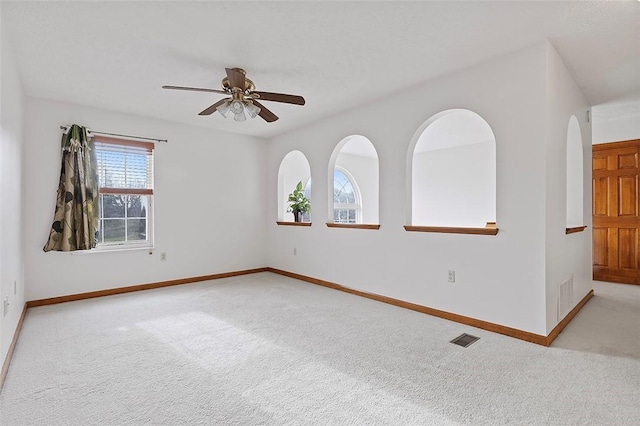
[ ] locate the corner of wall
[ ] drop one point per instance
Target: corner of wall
(567, 257)
(11, 190)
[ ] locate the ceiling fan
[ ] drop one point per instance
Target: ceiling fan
(244, 97)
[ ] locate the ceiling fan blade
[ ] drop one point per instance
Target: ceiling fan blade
(236, 78)
(267, 115)
(213, 107)
(195, 89)
(280, 97)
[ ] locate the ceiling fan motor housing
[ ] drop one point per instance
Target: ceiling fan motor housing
(248, 84)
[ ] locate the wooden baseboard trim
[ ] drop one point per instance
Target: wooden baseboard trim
(562, 324)
(12, 346)
(485, 325)
(120, 290)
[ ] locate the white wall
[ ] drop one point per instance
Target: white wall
(617, 120)
(364, 171)
(500, 278)
(208, 213)
(455, 186)
(11, 212)
(566, 255)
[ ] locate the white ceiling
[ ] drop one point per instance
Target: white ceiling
(338, 55)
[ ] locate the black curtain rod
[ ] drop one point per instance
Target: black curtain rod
(65, 128)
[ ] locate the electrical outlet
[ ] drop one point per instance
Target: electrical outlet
(452, 276)
(163, 256)
(295, 251)
(5, 305)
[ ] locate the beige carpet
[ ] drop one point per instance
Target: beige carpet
(609, 324)
(265, 349)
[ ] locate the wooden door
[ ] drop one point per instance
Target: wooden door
(616, 223)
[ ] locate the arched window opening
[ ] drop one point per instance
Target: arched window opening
(575, 175)
(353, 175)
(451, 168)
(294, 168)
(346, 205)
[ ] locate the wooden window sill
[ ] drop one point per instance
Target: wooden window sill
(353, 225)
(294, 223)
(575, 229)
(452, 230)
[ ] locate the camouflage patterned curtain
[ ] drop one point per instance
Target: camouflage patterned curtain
(75, 222)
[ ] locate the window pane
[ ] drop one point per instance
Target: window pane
(114, 230)
(137, 206)
(339, 177)
(350, 196)
(351, 216)
(343, 192)
(113, 206)
(136, 170)
(136, 229)
(124, 166)
(111, 165)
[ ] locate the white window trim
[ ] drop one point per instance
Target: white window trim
(147, 244)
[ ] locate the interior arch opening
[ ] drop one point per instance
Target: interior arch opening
(353, 182)
(452, 172)
(575, 175)
(294, 168)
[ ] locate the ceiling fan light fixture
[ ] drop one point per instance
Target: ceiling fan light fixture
(251, 109)
(224, 109)
(237, 106)
(240, 116)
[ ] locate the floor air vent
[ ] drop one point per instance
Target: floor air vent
(465, 340)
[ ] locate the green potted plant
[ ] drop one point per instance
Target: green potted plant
(298, 203)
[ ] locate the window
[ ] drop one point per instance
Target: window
(125, 180)
(306, 217)
(346, 206)
(353, 168)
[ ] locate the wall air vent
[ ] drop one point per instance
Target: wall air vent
(565, 297)
(465, 340)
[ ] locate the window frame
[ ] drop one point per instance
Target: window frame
(357, 206)
(148, 243)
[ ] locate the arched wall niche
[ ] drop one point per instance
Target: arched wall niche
(575, 174)
(356, 159)
(294, 168)
(451, 172)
